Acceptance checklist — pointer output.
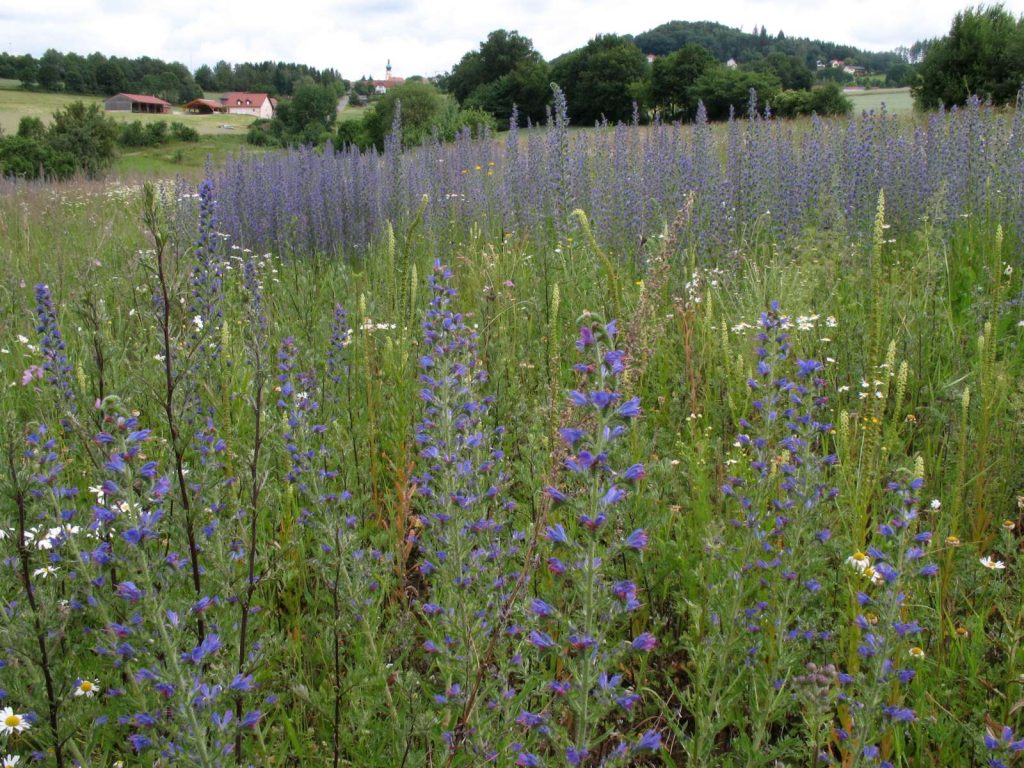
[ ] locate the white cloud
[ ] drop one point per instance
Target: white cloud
(427, 37)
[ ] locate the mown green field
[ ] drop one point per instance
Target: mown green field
(897, 101)
(352, 112)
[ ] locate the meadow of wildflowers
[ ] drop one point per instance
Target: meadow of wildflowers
(654, 446)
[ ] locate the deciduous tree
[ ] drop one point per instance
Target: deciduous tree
(602, 79)
(982, 55)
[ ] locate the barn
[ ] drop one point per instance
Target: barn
(134, 102)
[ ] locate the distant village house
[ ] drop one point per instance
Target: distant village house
(138, 103)
(255, 104)
(380, 87)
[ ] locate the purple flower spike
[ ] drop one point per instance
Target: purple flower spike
(613, 496)
(555, 495)
(129, 591)
(645, 642)
(571, 436)
(650, 741)
(637, 540)
(634, 473)
(629, 409)
(576, 756)
(556, 534)
(541, 640)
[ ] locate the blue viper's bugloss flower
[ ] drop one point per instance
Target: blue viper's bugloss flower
(206, 307)
(468, 552)
(341, 336)
(306, 203)
(892, 566)
(586, 534)
(51, 343)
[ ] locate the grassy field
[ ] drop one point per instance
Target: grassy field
(352, 112)
(897, 100)
(178, 157)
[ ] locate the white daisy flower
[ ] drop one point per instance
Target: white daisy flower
(10, 722)
(859, 561)
(992, 564)
(10, 761)
(87, 688)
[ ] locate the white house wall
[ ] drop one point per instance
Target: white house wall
(265, 111)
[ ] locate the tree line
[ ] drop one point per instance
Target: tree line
(98, 75)
(277, 78)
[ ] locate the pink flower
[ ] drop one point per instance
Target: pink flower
(31, 373)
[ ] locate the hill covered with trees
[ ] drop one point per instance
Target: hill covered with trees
(726, 43)
(613, 77)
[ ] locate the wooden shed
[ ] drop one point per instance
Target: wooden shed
(205, 107)
(134, 102)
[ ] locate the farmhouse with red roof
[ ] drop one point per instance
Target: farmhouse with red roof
(255, 104)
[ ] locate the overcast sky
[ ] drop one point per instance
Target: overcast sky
(426, 37)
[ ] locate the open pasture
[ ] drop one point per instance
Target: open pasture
(897, 101)
(653, 447)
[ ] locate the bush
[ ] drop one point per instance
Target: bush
(157, 134)
(476, 120)
(352, 132)
(261, 133)
(830, 100)
(133, 135)
(722, 89)
(183, 132)
(33, 158)
(31, 128)
(423, 107)
(824, 101)
(86, 134)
